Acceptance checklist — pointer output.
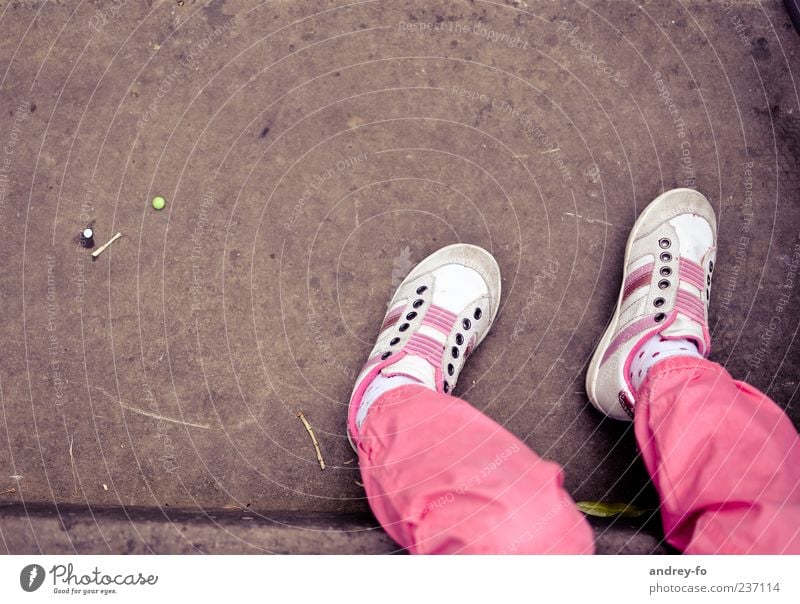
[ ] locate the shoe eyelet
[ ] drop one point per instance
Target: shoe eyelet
(708, 294)
(459, 339)
(403, 327)
(466, 323)
(385, 355)
(665, 271)
(710, 266)
(659, 302)
(418, 303)
(446, 387)
(708, 280)
(411, 316)
(454, 352)
(666, 257)
(477, 314)
(664, 243)
(663, 284)
(450, 369)
(660, 317)
(421, 289)
(394, 341)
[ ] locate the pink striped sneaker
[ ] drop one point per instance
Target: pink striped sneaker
(666, 287)
(442, 310)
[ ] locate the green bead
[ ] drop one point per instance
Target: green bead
(159, 202)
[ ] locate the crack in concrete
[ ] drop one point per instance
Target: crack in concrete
(589, 220)
(153, 415)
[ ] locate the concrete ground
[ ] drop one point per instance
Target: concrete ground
(311, 153)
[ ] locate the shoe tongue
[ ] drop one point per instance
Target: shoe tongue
(684, 327)
(413, 367)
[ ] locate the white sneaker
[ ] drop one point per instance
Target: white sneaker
(440, 313)
(666, 288)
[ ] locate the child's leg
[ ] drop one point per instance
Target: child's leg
(442, 477)
(724, 458)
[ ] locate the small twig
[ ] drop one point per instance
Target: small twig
(10, 491)
(103, 247)
(313, 439)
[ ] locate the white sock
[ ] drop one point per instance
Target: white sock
(655, 350)
(380, 386)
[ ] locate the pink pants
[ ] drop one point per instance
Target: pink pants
(441, 477)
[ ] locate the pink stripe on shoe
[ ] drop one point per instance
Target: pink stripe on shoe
(692, 273)
(641, 276)
(634, 285)
(428, 348)
(392, 318)
(471, 345)
(437, 324)
(440, 319)
(689, 305)
(631, 330)
(442, 312)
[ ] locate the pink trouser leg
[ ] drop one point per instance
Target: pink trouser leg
(441, 477)
(724, 458)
